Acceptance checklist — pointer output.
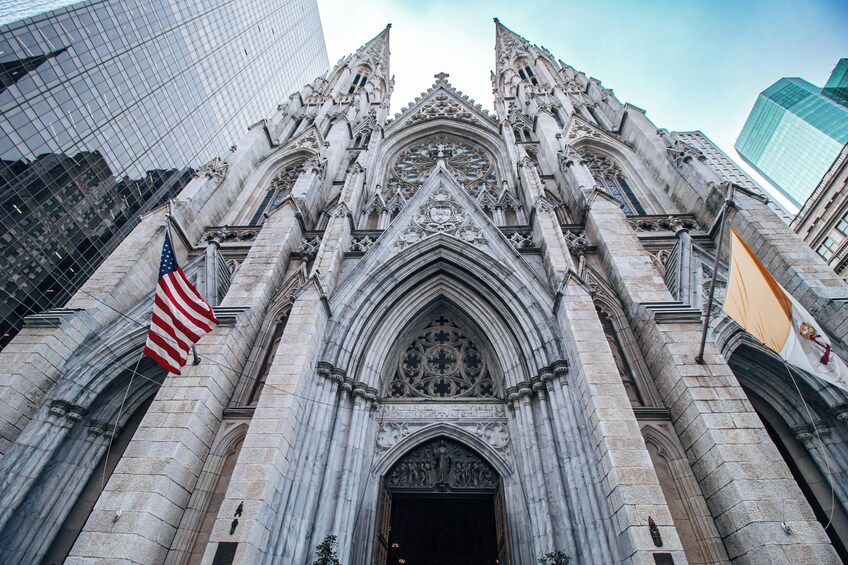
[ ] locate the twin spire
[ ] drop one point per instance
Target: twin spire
(375, 53)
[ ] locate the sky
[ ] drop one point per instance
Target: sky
(690, 64)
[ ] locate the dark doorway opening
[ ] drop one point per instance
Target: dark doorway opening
(442, 529)
(442, 504)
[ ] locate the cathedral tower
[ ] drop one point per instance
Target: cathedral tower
(449, 335)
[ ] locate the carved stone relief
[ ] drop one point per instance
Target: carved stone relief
(442, 464)
(441, 213)
(443, 106)
(579, 131)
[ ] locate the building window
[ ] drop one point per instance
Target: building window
(442, 362)
(842, 226)
(267, 360)
(526, 73)
(827, 248)
(358, 82)
(608, 177)
(280, 188)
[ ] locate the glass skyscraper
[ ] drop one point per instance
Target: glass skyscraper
(795, 131)
(106, 109)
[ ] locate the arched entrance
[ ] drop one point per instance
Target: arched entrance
(442, 504)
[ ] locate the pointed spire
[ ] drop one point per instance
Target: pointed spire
(368, 64)
(377, 48)
(506, 39)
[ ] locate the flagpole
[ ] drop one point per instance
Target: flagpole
(728, 202)
(169, 220)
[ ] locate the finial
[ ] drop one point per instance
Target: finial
(441, 77)
(497, 21)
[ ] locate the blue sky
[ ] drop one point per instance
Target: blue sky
(691, 65)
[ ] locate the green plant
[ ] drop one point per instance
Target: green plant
(325, 552)
(555, 557)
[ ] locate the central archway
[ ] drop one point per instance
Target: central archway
(441, 504)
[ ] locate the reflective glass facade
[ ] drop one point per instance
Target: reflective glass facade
(792, 136)
(106, 107)
(837, 85)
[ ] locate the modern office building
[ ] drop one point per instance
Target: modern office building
(106, 109)
(448, 336)
(837, 85)
(795, 131)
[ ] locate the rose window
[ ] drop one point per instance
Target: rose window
(442, 362)
(469, 164)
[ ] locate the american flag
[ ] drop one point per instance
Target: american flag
(180, 315)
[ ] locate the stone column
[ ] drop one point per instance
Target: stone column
(270, 444)
(138, 513)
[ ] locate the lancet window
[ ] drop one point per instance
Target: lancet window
(280, 188)
(608, 176)
(267, 358)
(358, 82)
(472, 167)
(526, 73)
(621, 363)
(442, 362)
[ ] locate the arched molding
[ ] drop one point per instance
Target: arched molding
(441, 429)
(666, 448)
(277, 309)
(701, 541)
(765, 369)
(764, 373)
(607, 302)
(95, 371)
(513, 313)
(201, 497)
(635, 172)
(629, 349)
(259, 180)
(80, 438)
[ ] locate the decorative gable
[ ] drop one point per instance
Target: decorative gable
(441, 213)
(445, 102)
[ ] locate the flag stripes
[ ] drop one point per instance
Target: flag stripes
(180, 315)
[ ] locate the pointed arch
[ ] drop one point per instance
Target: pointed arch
(639, 182)
(692, 518)
(464, 351)
(195, 526)
(514, 313)
(267, 341)
(442, 429)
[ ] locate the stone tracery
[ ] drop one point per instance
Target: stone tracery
(472, 167)
(442, 362)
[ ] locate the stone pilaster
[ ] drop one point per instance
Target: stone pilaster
(627, 475)
(140, 509)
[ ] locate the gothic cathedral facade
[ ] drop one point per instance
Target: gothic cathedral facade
(449, 336)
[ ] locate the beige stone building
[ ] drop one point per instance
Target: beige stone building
(449, 336)
(823, 220)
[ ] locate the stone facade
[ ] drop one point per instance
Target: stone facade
(445, 300)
